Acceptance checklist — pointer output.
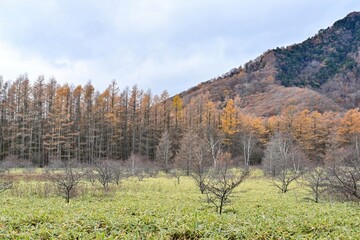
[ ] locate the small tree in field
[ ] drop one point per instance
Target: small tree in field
(104, 171)
(176, 173)
(5, 182)
(119, 171)
(283, 161)
(66, 179)
(201, 162)
(344, 175)
(316, 181)
(222, 180)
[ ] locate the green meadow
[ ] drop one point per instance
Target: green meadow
(160, 208)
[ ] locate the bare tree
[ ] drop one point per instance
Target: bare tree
(105, 173)
(5, 182)
(176, 173)
(140, 166)
(66, 179)
(215, 143)
(90, 175)
(221, 181)
(136, 164)
(7, 164)
(316, 181)
(186, 153)
(201, 164)
(344, 175)
(283, 161)
(163, 151)
(119, 171)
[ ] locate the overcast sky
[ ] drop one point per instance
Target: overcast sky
(156, 44)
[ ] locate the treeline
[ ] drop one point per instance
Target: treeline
(47, 121)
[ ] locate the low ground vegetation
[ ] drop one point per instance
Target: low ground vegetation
(161, 208)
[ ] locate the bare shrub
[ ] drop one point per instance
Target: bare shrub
(66, 179)
(141, 167)
(222, 180)
(105, 173)
(55, 163)
(343, 171)
(11, 162)
(316, 181)
(119, 171)
(45, 189)
(176, 173)
(7, 164)
(6, 181)
(90, 175)
(344, 175)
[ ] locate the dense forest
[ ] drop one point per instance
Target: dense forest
(46, 121)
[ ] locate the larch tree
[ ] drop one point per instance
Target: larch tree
(251, 131)
(163, 151)
(4, 120)
(155, 125)
(229, 121)
(176, 128)
(124, 123)
(309, 130)
(165, 110)
(187, 152)
(59, 139)
(37, 143)
(78, 121)
(20, 119)
(134, 107)
(100, 124)
(349, 130)
(146, 138)
(88, 128)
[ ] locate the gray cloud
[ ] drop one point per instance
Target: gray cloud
(156, 44)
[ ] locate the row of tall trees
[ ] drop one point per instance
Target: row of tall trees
(45, 120)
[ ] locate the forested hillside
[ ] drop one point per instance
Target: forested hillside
(326, 68)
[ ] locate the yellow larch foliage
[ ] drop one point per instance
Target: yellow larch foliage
(177, 107)
(229, 118)
(350, 126)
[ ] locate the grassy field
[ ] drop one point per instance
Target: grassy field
(159, 208)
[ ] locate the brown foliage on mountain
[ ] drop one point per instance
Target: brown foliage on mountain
(321, 73)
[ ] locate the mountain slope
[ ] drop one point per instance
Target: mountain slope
(321, 73)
